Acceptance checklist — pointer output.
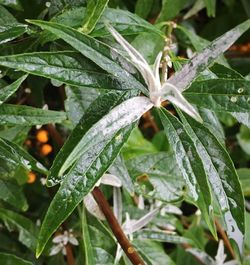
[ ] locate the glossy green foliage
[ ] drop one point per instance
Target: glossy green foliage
(86, 100)
(94, 11)
(13, 260)
(190, 165)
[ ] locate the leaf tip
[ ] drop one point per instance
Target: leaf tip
(38, 251)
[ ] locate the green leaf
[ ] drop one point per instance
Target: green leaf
(11, 31)
(100, 53)
(104, 127)
(78, 100)
(231, 95)
(119, 169)
(9, 259)
(68, 67)
(11, 114)
(222, 71)
(6, 17)
(211, 121)
(137, 145)
(152, 252)
(79, 181)
(102, 257)
(243, 138)
(9, 90)
(162, 172)
(15, 4)
(13, 194)
(222, 177)
(203, 59)
(96, 111)
(122, 20)
(246, 6)
(211, 7)
(162, 236)
(27, 230)
(190, 165)
(13, 153)
(170, 9)
(143, 7)
(88, 249)
(93, 13)
(244, 175)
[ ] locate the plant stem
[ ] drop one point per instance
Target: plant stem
(70, 256)
(224, 238)
(116, 228)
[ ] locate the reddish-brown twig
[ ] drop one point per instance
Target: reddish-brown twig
(116, 228)
(224, 238)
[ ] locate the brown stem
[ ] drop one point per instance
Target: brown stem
(116, 228)
(224, 238)
(55, 135)
(70, 256)
(150, 122)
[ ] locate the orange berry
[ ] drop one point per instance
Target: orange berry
(31, 177)
(46, 149)
(244, 48)
(42, 136)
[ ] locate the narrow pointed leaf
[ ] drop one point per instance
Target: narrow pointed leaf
(162, 172)
(152, 252)
(9, 259)
(211, 7)
(231, 95)
(94, 11)
(11, 31)
(100, 53)
(96, 111)
(222, 177)
(88, 249)
(201, 256)
(190, 165)
(203, 59)
(123, 21)
(26, 115)
(119, 169)
(80, 180)
(27, 230)
(68, 67)
(13, 194)
(13, 153)
(119, 117)
(9, 90)
(162, 236)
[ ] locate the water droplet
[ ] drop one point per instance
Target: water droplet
(248, 99)
(233, 99)
(241, 90)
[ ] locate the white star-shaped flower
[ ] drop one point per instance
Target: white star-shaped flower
(157, 92)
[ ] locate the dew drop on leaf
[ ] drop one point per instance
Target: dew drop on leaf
(240, 90)
(233, 99)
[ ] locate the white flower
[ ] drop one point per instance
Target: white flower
(89, 201)
(60, 242)
(157, 92)
(43, 181)
(219, 258)
(130, 226)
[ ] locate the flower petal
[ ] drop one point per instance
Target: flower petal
(111, 180)
(93, 207)
(138, 61)
(171, 93)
